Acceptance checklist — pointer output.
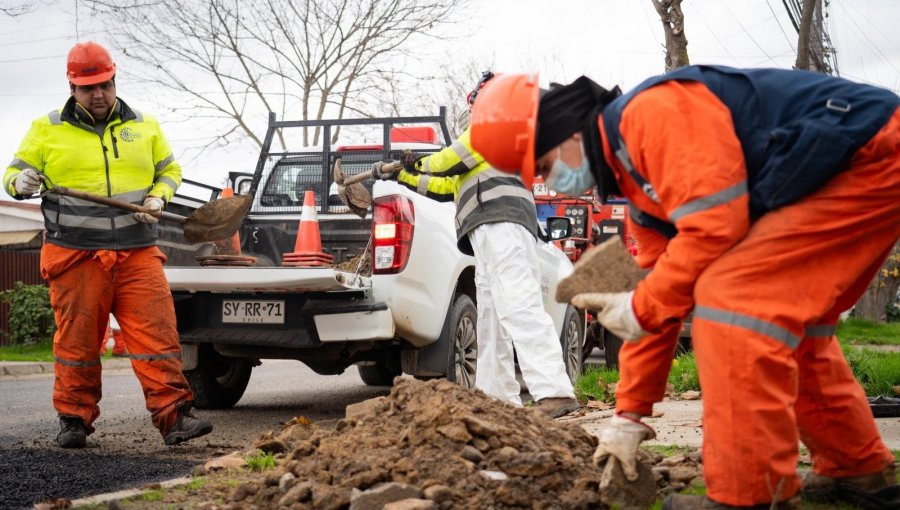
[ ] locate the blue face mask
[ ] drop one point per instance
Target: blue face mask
(566, 179)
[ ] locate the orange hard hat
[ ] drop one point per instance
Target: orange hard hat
(504, 122)
(89, 64)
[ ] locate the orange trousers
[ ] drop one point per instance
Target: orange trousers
(85, 286)
(771, 370)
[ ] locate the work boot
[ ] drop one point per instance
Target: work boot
(684, 502)
(187, 426)
(873, 491)
(555, 407)
(72, 432)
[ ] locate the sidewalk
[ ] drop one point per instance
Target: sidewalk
(680, 424)
(20, 368)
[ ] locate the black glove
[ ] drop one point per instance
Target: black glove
(408, 160)
(385, 174)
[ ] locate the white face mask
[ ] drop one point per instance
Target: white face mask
(569, 180)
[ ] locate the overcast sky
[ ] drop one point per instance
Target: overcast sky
(615, 42)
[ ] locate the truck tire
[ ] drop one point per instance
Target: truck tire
(463, 348)
(571, 340)
(219, 381)
(611, 347)
(380, 373)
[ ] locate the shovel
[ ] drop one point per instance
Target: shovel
(353, 194)
(213, 221)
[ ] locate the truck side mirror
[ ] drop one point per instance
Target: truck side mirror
(559, 227)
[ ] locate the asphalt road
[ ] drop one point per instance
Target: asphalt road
(126, 451)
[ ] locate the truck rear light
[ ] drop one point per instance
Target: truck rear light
(392, 233)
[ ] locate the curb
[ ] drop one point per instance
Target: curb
(20, 368)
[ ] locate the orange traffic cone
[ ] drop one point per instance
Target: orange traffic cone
(226, 252)
(308, 247)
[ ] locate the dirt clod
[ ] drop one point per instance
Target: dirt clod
(607, 267)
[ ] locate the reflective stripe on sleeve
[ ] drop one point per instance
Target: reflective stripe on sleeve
(464, 154)
(752, 323)
(710, 201)
(163, 164)
(422, 187)
(168, 182)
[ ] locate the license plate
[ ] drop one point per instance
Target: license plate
(252, 312)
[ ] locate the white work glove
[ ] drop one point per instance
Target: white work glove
(27, 183)
(379, 172)
(154, 204)
(614, 311)
(619, 443)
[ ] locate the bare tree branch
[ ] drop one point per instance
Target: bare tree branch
(673, 25)
(235, 61)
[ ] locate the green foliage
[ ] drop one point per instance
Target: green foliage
(683, 375)
(30, 316)
(862, 331)
(597, 384)
(877, 372)
(259, 461)
(41, 351)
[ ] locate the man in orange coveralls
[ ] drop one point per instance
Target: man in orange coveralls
(765, 200)
(99, 259)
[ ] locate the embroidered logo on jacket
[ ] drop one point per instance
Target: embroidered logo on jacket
(129, 135)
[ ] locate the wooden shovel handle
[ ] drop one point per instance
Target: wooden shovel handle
(99, 199)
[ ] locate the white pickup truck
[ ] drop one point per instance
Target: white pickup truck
(408, 308)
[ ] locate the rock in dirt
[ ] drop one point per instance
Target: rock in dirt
(425, 436)
(607, 267)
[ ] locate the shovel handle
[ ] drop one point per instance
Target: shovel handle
(387, 167)
(99, 199)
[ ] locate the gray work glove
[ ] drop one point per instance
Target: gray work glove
(614, 311)
(619, 443)
(27, 183)
(154, 204)
(383, 172)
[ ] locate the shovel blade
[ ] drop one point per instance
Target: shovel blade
(354, 195)
(216, 219)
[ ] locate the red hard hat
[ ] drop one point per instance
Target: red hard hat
(89, 64)
(504, 121)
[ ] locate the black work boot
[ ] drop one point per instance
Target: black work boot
(684, 502)
(72, 432)
(187, 426)
(873, 491)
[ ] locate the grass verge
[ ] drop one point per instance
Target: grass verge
(42, 351)
(860, 331)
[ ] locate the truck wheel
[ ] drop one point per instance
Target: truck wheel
(380, 373)
(218, 382)
(571, 339)
(463, 351)
(611, 347)
(593, 339)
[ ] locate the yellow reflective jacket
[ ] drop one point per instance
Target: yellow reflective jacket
(128, 160)
(482, 194)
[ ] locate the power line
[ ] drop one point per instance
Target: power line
(725, 5)
(790, 44)
(868, 40)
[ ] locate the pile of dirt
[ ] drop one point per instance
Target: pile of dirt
(436, 443)
(361, 263)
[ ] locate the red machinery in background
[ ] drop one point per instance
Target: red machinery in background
(592, 223)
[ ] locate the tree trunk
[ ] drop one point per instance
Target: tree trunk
(673, 25)
(882, 292)
(803, 60)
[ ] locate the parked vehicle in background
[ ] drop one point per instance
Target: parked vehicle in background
(399, 299)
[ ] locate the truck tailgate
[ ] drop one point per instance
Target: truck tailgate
(262, 279)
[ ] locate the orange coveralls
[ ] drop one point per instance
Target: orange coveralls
(85, 286)
(766, 296)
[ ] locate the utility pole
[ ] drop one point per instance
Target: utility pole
(814, 49)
